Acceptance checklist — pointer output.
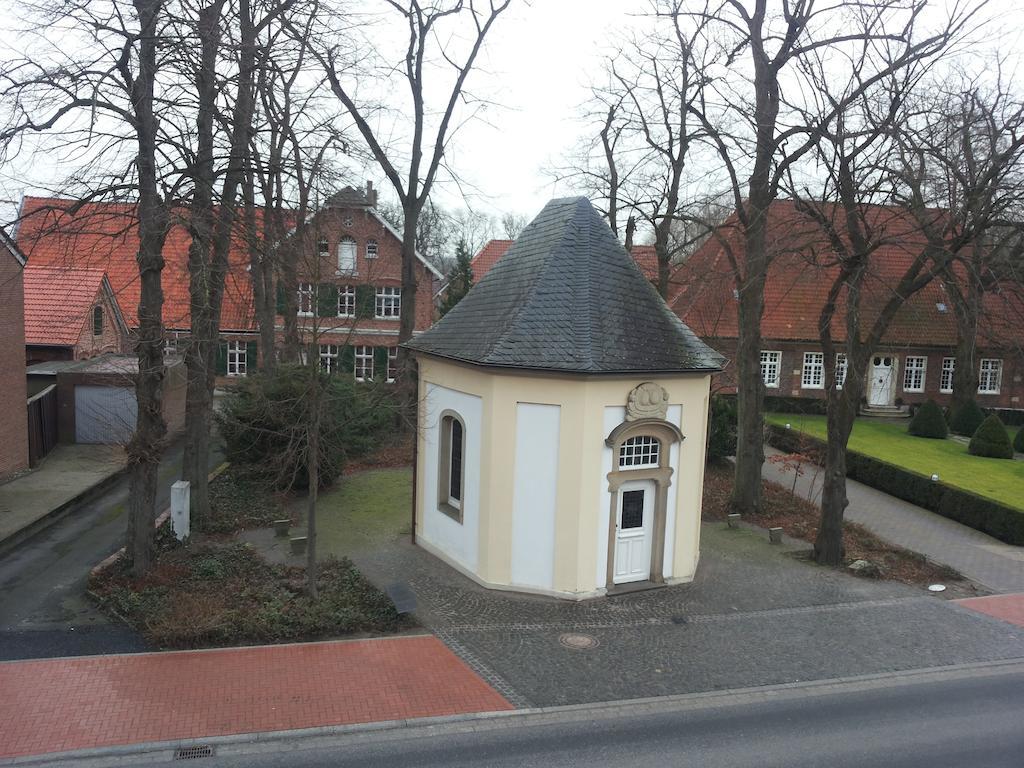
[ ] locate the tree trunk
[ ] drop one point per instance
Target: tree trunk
(146, 445)
(966, 308)
(842, 410)
(406, 385)
(313, 460)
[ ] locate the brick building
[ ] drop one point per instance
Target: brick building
(70, 314)
(14, 413)
(349, 278)
(915, 360)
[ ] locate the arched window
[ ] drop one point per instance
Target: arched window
(347, 255)
(371, 249)
(322, 247)
(452, 474)
(640, 451)
(97, 321)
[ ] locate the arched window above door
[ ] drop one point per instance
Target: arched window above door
(640, 451)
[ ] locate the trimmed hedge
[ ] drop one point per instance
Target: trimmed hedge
(991, 440)
(998, 520)
(721, 428)
(966, 419)
(1018, 441)
(929, 422)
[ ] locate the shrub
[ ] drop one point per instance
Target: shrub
(265, 418)
(929, 422)
(966, 419)
(1018, 441)
(721, 428)
(991, 440)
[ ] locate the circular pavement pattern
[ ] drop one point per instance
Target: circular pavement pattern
(577, 641)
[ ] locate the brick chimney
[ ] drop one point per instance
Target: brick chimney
(371, 195)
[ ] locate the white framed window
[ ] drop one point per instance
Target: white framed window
(237, 358)
(306, 299)
(363, 366)
(990, 376)
(841, 367)
(371, 249)
(346, 301)
(392, 365)
(946, 376)
(640, 451)
(452, 466)
(914, 368)
(322, 247)
(347, 256)
(814, 371)
(329, 357)
(388, 304)
(771, 363)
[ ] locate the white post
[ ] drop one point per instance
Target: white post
(180, 492)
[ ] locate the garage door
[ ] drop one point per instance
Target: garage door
(104, 415)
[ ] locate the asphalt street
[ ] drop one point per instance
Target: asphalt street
(44, 610)
(960, 721)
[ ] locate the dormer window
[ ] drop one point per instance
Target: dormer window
(347, 256)
(371, 249)
(322, 248)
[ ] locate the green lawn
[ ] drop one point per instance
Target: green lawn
(998, 479)
(363, 510)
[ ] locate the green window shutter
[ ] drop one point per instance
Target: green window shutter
(280, 298)
(347, 359)
(222, 358)
(380, 363)
(250, 356)
(365, 300)
(327, 300)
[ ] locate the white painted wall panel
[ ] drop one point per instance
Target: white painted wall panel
(458, 541)
(535, 495)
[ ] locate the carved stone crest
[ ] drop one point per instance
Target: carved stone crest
(647, 401)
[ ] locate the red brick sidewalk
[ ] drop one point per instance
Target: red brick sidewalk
(1006, 607)
(55, 705)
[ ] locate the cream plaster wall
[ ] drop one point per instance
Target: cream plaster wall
(583, 461)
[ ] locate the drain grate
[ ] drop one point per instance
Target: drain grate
(193, 753)
(578, 641)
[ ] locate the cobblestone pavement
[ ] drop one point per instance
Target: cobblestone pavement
(755, 615)
(56, 705)
(979, 557)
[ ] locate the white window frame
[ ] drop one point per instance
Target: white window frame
(915, 371)
(771, 359)
(990, 376)
(307, 292)
(812, 376)
(842, 367)
(347, 252)
(387, 303)
(372, 249)
(329, 357)
(946, 375)
(346, 301)
(323, 247)
(362, 363)
(238, 358)
(447, 503)
(392, 372)
(640, 452)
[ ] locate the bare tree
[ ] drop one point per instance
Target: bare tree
(512, 224)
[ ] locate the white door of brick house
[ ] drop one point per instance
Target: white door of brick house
(634, 530)
(883, 380)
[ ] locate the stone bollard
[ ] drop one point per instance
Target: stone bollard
(281, 527)
(180, 496)
(734, 520)
(298, 545)
(775, 535)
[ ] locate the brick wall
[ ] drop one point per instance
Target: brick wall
(14, 413)
(1011, 394)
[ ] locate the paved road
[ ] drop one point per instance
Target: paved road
(961, 720)
(44, 610)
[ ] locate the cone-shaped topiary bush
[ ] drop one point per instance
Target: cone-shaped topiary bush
(929, 422)
(966, 419)
(991, 440)
(1018, 441)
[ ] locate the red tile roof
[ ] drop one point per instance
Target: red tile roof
(643, 255)
(58, 302)
(703, 290)
(103, 236)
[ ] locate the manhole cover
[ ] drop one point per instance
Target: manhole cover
(578, 641)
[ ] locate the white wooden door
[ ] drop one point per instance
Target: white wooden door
(883, 381)
(634, 529)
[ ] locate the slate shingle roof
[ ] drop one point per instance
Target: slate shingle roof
(566, 297)
(644, 256)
